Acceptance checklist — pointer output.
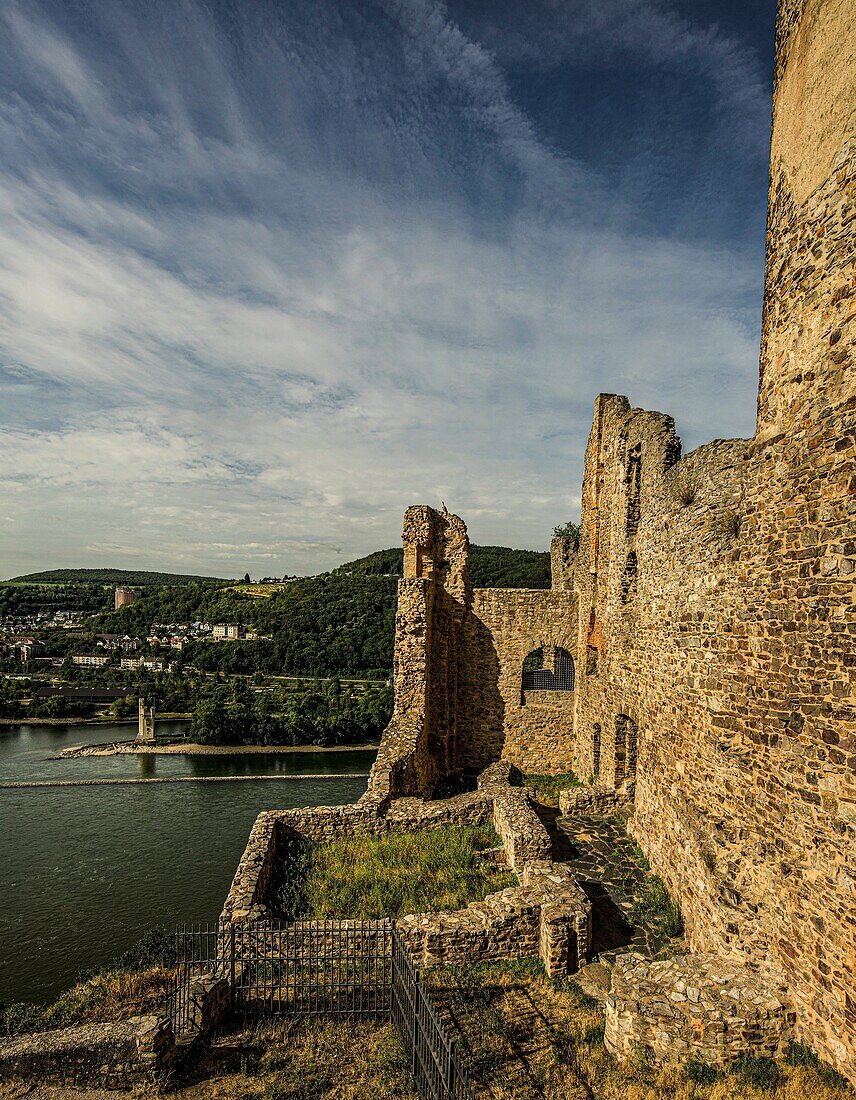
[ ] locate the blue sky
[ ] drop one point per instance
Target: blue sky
(270, 272)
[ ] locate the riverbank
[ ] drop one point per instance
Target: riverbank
(92, 720)
(138, 780)
(192, 748)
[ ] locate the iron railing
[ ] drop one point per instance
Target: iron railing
(342, 969)
(313, 968)
(435, 1067)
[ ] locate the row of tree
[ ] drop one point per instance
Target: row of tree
(321, 714)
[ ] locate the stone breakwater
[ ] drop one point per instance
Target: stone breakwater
(175, 779)
(192, 748)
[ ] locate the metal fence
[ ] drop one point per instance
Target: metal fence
(342, 969)
(436, 1070)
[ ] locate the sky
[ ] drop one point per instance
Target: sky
(270, 272)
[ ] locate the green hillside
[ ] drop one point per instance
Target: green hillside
(336, 624)
(490, 566)
(134, 577)
(330, 625)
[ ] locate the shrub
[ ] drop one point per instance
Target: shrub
(760, 1073)
(800, 1055)
(728, 524)
(685, 492)
(700, 1073)
(548, 787)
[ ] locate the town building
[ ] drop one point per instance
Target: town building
(90, 660)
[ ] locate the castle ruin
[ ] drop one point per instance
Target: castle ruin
(695, 653)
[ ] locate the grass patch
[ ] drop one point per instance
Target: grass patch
(805, 1057)
(762, 1074)
(308, 1060)
(549, 787)
(654, 909)
(388, 876)
(111, 995)
(700, 1073)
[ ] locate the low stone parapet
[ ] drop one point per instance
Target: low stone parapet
(585, 801)
(503, 926)
(695, 1007)
(101, 1055)
(547, 914)
(247, 899)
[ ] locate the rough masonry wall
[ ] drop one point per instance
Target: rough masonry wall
(715, 591)
(458, 666)
(533, 731)
(711, 600)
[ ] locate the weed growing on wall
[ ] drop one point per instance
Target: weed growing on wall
(549, 787)
(655, 909)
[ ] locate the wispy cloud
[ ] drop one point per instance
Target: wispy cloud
(265, 280)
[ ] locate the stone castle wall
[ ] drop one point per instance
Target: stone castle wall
(458, 666)
(532, 730)
(724, 639)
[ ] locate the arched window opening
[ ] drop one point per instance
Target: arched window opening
(595, 737)
(548, 668)
(625, 749)
(628, 577)
(634, 488)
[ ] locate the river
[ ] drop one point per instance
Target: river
(84, 871)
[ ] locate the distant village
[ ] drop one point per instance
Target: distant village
(19, 638)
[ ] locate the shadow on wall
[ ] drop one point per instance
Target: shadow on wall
(484, 741)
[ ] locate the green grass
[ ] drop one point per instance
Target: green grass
(655, 909)
(110, 995)
(389, 876)
(548, 787)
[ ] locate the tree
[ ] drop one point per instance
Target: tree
(209, 724)
(567, 530)
(247, 579)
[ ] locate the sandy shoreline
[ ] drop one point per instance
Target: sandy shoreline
(166, 717)
(189, 748)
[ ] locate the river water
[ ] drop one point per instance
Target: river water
(85, 871)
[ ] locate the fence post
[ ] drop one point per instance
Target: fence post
(416, 1025)
(450, 1068)
(232, 965)
(392, 969)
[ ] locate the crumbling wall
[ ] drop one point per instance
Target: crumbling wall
(421, 743)
(533, 730)
(458, 666)
(116, 1055)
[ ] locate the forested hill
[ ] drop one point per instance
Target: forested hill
(136, 577)
(336, 624)
(330, 625)
(490, 566)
